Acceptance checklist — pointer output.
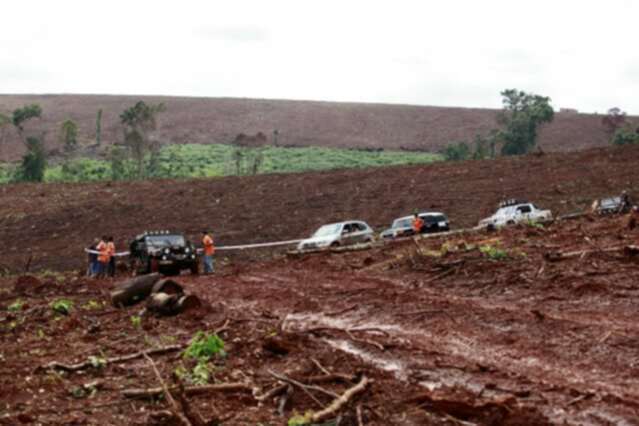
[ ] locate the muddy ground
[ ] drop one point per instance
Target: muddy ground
(50, 224)
(477, 328)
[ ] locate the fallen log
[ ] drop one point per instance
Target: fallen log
(167, 394)
(134, 290)
(171, 304)
(340, 401)
(167, 286)
(149, 393)
(55, 365)
(630, 250)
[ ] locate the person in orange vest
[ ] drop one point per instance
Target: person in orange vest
(103, 257)
(209, 249)
(111, 251)
(418, 224)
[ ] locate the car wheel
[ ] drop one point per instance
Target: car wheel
(334, 244)
(510, 222)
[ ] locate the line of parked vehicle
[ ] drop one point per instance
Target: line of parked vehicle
(350, 232)
(509, 212)
(171, 252)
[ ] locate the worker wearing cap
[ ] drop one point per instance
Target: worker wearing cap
(209, 249)
(417, 224)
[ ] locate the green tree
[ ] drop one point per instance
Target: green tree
(69, 135)
(24, 114)
(139, 122)
(614, 120)
(117, 158)
(34, 162)
(5, 123)
(521, 118)
(98, 127)
(626, 136)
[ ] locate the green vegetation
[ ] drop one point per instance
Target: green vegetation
(522, 115)
(492, 252)
(136, 321)
(16, 306)
(139, 122)
(97, 362)
(625, 136)
(203, 346)
(62, 306)
(521, 118)
(194, 160)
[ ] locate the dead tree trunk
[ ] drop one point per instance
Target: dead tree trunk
(134, 290)
(171, 304)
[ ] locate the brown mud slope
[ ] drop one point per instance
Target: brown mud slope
(51, 223)
(300, 123)
(476, 329)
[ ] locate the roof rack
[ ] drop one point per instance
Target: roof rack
(511, 202)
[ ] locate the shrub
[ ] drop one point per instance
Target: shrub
(62, 306)
(204, 346)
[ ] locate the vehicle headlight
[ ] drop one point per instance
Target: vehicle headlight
(167, 251)
(192, 256)
(163, 257)
(187, 250)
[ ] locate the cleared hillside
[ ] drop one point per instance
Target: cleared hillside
(53, 222)
(299, 123)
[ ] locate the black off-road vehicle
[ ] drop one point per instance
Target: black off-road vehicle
(163, 251)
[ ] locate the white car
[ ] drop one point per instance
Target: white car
(516, 212)
(338, 234)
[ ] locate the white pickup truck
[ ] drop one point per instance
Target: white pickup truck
(516, 212)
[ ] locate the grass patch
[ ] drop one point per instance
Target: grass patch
(213, 160)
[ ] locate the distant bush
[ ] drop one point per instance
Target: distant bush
(626, 136)
(456, 152)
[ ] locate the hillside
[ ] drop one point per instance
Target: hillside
(53, 222)
(299, 123)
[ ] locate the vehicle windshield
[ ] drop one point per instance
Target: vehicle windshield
(402, 223)
(434, 218)
(610, 202)
(165, 241)
(327, 230)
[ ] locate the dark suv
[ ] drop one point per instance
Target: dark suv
(163, 251)
(403, 226)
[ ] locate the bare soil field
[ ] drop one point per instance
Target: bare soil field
(299, 123)
(432, 331)
(47, 225)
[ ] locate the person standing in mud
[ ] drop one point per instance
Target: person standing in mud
(111, 264)
(92, 269)
(417, 223)
(209, 249)
(103, 257)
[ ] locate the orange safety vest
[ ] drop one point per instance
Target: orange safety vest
(103, 249)
(418, 222)
(209, 248)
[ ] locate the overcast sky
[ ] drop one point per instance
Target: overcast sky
(583, 54)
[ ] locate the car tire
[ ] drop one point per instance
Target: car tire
(334, 244)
